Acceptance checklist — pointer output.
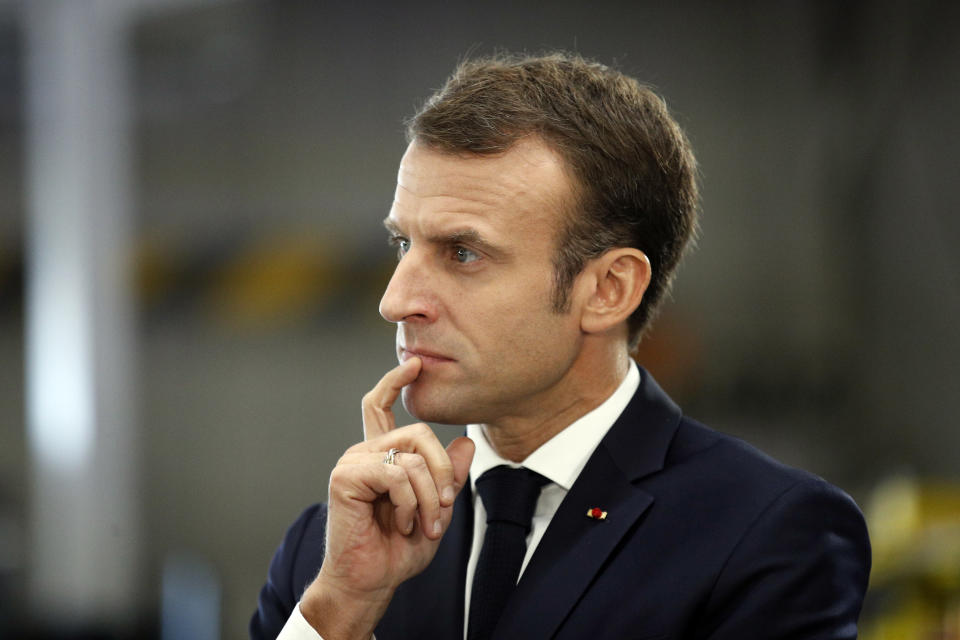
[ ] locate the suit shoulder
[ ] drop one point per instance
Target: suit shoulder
(696, 444)
(725, 466)
(802, 562)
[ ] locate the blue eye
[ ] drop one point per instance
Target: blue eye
(465, 256)
(402, 245)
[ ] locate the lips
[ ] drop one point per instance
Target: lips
(426, 355)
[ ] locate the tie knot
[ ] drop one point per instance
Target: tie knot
(510, 495)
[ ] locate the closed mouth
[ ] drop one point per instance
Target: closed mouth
(424, 354)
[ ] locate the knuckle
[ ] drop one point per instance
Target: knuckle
(408, 500)
(445, 469)
(389, 469)
(338, 475)
(432, 506)
(423, 429)
(415, 460)
(409, 430)
(395, 472)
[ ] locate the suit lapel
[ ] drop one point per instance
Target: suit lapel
(575, 547)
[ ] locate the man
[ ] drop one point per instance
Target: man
(541, 208)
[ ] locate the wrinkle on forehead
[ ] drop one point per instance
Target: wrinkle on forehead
(528, 179)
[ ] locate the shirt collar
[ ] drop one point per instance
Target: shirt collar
(563, 457)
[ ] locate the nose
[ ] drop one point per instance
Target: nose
(408, 295)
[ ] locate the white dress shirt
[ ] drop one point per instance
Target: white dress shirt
(560, 460)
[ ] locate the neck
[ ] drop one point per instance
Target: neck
(516, 437)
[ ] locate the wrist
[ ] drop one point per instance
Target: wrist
(339, 613)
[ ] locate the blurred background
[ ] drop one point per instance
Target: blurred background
(191, 257)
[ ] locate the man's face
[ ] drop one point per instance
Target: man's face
(471, 294)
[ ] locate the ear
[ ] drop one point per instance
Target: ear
(620, 278)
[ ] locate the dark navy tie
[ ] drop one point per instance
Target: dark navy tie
(509, 498)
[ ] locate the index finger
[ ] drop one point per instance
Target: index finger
(377, 404)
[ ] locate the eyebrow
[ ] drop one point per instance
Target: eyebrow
(391, 226)
(460, 236)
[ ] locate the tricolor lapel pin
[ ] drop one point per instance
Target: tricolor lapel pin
(597, 514)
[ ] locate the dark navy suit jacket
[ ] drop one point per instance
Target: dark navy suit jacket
(705, 537)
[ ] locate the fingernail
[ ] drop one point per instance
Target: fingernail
(437, 528)
(449, 494)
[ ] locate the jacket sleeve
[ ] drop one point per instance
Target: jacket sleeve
(799, 572)
(294, 564)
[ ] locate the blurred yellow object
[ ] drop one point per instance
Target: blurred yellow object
(277, 280)
(915, 582)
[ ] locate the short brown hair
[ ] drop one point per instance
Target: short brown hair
(633, 171)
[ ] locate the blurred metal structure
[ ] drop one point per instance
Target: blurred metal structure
(85, 543)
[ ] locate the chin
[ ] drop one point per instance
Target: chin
(428, 406)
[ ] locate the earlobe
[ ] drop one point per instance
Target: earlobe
(621, 277)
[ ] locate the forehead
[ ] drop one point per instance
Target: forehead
(525, 187)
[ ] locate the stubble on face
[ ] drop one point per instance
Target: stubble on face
(506, 348)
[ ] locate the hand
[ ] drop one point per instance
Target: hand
(384, 521)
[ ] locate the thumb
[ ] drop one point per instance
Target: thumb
(461, 455)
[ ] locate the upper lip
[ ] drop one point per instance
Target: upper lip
(420, 351)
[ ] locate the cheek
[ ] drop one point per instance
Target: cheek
(525, 327)
(510, 315)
